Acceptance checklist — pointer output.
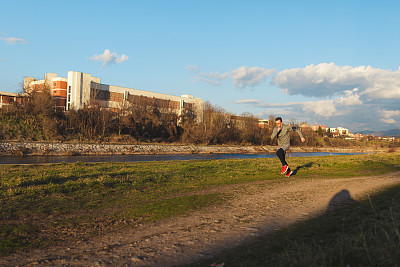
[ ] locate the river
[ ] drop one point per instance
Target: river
(160, 157)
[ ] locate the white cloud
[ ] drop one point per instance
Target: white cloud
(276, 112)
(328, 79)
(388, 116)
(193, 68)
(109, 58)
(241, 77)
(389, 121)
(321, 108)
(325, 108)
(13, 40)
(244, 76)
(390, 113)
(352, 98)
(214, 78)
(249, 101)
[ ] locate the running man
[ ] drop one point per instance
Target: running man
(281, 132)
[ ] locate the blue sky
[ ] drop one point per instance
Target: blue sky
(329, 62)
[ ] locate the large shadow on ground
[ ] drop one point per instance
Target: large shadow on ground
(340, 200)
(348, 233)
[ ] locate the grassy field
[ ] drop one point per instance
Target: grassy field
(45, 204)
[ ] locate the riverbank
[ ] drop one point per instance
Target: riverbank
(10, 148)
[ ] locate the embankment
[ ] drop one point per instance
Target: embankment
(9, 148)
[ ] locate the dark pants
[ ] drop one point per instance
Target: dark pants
(281, 155)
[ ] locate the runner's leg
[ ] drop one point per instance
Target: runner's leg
(281, 155)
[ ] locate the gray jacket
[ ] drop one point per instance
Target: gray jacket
(283, 135)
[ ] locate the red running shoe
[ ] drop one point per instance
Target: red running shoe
(284, 169)
(289, 173)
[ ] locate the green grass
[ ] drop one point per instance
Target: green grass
(45, 204)
(29, 128)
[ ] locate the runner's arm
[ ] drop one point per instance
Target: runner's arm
(299, 133)
(274, 133)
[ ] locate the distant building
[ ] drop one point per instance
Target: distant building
(263, 124)
(7, 99)
(304, 125)
(358, 136)
(342, 131)
(388, 138)
(80, 89)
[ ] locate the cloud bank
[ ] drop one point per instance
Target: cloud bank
(328, 79)
(362, 97)
(109, 58)
(321, 108)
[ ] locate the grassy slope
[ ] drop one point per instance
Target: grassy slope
(40, 205)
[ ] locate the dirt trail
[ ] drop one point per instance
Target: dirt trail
(254, 209)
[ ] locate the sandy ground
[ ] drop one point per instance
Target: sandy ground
(254, 209)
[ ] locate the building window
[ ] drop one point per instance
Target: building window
(100, 94)
(55, 84)
(69, 89)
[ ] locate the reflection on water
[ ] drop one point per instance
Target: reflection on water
(132, 158)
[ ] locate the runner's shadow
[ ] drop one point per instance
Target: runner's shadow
(308, 165)
(343, 198)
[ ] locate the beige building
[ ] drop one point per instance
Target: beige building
(80, 89)
(7, 99)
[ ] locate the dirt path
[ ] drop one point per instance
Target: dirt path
(254, 209)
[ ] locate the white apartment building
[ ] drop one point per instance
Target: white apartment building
(339, 130)
(80, 89)
(342, 131)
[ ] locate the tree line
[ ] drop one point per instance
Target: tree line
(38, 119)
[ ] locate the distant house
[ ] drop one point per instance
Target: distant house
(304, 125)
(358, 136)
(342, 131)
(315, 127)
(263, 124)
(323, 127)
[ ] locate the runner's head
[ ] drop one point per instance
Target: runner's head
(278, 121)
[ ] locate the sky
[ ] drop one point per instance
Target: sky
(334, 63)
